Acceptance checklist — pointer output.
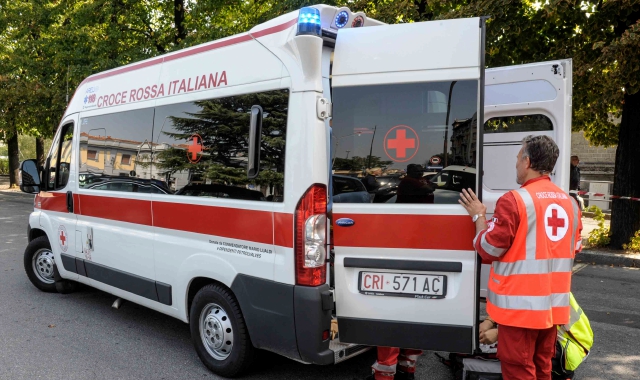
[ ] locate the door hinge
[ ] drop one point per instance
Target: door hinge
(323, 108)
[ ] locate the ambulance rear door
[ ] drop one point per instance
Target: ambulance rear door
(406, 98)
(522, 100)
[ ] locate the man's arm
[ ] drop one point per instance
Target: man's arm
(494, 238)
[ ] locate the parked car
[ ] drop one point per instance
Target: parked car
(450, 181)
(127, 184)
(350, 190)
(221, 191)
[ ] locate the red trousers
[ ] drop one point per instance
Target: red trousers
(525, 354)
(388, 357)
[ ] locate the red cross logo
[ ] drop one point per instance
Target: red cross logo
(555, 222)
(195, 148)
(403, 140)
(62, 237)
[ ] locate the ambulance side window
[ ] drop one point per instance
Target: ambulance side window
(518, 123)
(201, 148)
(501, 147)
(58, 163)
(115, 151)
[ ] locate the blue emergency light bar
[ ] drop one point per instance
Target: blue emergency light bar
(309, 22)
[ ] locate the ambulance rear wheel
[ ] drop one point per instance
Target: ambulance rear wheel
(39, 264)
(219, 332)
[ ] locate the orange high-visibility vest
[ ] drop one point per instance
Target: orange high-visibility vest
(529, 286)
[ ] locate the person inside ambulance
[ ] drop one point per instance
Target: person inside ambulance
(531, 242)
(573, 341)
(414, 188)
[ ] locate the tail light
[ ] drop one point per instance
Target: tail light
(311, 237)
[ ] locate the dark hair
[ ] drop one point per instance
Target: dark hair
(542, 152)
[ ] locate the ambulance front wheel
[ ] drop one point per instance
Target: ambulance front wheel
(39, 264)
(219, 332)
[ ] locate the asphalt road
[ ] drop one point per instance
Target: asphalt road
(79, 336)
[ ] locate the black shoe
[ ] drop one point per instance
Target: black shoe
(404, 376)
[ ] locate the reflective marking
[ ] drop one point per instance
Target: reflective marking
(573, 317)
(560, 299)
(531, 222)
(576, 215)
(475, 239)
(384, 368)
(529, 302)
(493, 251)
(532, 266)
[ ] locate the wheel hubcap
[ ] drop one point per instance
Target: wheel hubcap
(42, 263)
(216, 331)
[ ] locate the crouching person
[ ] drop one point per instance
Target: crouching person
(573, 341)
(395, 363)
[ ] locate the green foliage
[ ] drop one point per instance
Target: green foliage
(634, 243)
(599, 237)
(4, 166)
(223, 125)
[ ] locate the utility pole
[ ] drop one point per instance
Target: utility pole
(371, 148)
(446, 125)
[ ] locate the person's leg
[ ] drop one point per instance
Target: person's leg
(515, 350)
(385, 367)
(545, 350)
(407, 362)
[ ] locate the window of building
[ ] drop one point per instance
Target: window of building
(92, 155)
(201, 148)
(392, 137)
(126, 159)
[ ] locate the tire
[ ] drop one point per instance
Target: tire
(219, 333)
(39, 264)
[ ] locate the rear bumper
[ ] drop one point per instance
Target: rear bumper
(423, 336)
(286, 319)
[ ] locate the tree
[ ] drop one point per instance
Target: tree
(223, 126)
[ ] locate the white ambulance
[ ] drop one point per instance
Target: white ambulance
(199, 183)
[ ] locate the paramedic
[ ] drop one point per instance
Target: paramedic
(392, 358)
(531, 242)
(414, 188)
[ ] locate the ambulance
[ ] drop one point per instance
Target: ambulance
(199, 184)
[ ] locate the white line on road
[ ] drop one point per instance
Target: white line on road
(578, 267)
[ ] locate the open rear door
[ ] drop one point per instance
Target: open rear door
(532, 99)
(407, 97)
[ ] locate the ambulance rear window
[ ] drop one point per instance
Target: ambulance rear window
(392, 136)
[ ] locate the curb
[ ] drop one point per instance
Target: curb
(605, 258)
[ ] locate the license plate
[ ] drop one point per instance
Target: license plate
(420, 286)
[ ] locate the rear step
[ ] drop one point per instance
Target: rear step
(344, 351)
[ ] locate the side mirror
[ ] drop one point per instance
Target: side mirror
(29, 177)
(255, 137)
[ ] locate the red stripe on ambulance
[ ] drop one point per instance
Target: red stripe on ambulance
(233, 223)
(451, 232)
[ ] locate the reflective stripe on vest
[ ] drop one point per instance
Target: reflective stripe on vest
(529, 286)
(535, 303)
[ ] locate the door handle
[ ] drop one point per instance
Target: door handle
(70, 202)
